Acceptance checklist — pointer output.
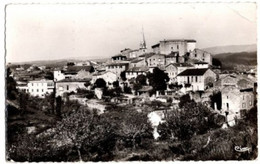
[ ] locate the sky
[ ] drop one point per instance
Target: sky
(48, 32)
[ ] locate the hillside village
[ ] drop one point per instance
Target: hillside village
(189, 69)
(164, 75)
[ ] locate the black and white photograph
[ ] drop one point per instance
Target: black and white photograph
(120, 81)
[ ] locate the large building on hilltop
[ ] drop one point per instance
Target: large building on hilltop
(182, 46)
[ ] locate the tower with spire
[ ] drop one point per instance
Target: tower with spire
(143, 43)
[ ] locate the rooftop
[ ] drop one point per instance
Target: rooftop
(117, 64)
(193, 72)
(138, 69)
(74, 80)
(75, 69)
(200, 62)
(119, 55)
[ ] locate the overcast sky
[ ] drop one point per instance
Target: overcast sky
(36, 32)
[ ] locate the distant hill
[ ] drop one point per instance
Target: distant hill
(232, 60)
(231, 49)
(61, 62)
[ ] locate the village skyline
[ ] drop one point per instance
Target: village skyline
(61, 32)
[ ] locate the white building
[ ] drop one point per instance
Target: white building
(108, 76)
(39, 88)
(196, 79)
(135, 71)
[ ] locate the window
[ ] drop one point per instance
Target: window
(227, 97)
(177, 46)
(32, 90)
(243, 97)
(67, 87)
(203, 55)
(37, 90)
(42, 90)
(195, 55)
(32, 84)
(172, 48)
(196, 78)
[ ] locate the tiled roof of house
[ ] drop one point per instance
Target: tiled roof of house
(138, 69)
(172, 54)
(156, 45)
(119, 55)
(74, 80)
(136, 60)
(193, 72)
(117, 64)
(178, 40)
(200, 62)
(75, 69)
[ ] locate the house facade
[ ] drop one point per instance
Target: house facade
(176, 45)
(74, 72)
(39, 88)
(135, 71)
(117, 68)
(155, 60)
(109, 77)
(196, 79)
(235, 100)
(172, 71)
(201, 55)
(68, 85)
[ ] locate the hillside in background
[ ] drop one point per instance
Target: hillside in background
(232, 60)
(231, 49)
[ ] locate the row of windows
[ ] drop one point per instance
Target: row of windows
(37, 90)
(115, 66)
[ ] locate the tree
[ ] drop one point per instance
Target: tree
(184, 99)
(137, 86)
(141, 79)
(123, 76)
(100, 83)
(10, 86)
(115, 84)
(49, 75)
(183, 124)
(58, 106)
(216, 62)
(86, 131)
(158, 79)
(70, 64)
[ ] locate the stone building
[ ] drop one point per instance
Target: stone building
(137, 63)
(172, 71)
(201, 64)
(201, 55)
(109, 77)
(118, 58)
(235, 101)
(117, 68)
(69, 85)
(182, 46)
(196, 79)
(135, 71)
(74, 72)
(155, 60)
